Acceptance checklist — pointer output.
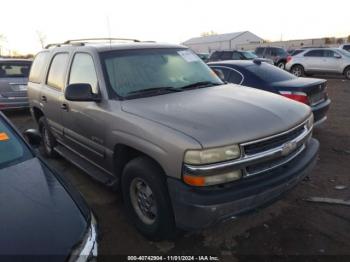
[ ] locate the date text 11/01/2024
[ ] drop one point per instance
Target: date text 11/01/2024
(173, 258)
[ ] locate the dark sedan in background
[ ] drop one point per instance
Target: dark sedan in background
(42, 217)
(310, 91)
(13, 83)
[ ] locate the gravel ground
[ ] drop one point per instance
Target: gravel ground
(288, 230)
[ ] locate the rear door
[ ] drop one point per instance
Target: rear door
(51, 95)
(83, 126)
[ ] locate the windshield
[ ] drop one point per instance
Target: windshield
(12, 148)
(249, 55)
(134, 71)
(14, 69)
(269, 73)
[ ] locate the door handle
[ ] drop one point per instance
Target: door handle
(44, 98)
(64, 107)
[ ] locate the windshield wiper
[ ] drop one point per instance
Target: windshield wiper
(200, 84)
(154, 90)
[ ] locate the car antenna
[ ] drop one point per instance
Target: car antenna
(109, 31)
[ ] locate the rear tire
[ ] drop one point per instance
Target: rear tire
(48, 141)
(281, 65)
(347, 72)
(298, 70)
(146, 199)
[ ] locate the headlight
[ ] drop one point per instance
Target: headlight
(211, 180)
(87, 249)
(213, 155)
(310, 122)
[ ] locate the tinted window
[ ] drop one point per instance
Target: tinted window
(222, 73)
(226, 56)
(270, 73)
(236, 56)
(235, 77)
(328, 53)
(259, 51)
(346, 47)
(215, 55)
(14, 69)
(131, 71)
(295, 52)
(314, 53)
(38, 67)
(281, 52)
(12, 149)
(57, 71)
(83, 71)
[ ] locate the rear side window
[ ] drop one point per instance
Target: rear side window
(269, 73)
(314, 53)
(346, 47)
(38, 67)
(57, 71)
(10, 69)
(222, 73)
(235, 77)
(83, 71)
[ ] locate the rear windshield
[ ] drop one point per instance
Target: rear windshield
(298, 51)
(270, 73)
(12, 148)
(14, 69)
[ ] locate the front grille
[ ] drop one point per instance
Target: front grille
(262, 167)
(274, 142)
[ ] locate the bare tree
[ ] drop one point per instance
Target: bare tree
(211, 32)
(42, 38)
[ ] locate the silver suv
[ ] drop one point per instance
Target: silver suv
(185, 149)
(320, 60)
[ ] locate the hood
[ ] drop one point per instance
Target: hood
(38, 216)
(221, 115)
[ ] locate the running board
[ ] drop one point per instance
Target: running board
(86, 166)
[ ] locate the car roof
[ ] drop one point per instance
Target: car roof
(2, 59)
(241, 63)
(106, 46)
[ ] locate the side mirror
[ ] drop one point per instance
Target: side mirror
(337, 56)
(33, 137)
(80, 92)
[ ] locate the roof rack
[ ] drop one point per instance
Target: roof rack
(83, 41)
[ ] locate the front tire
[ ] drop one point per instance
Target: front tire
(147, 199)
(48, 140)
(298, 70)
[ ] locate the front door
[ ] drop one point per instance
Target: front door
(83, 127)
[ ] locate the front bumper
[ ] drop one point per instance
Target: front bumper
(7, 103)
(320, 111)
(196, 208)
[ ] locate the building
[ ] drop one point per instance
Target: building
(230, 41)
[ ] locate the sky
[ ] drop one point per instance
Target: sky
(172, 21)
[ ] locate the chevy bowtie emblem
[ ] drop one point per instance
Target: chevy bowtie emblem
(288, 147)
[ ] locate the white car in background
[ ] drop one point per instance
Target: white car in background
(320, 60)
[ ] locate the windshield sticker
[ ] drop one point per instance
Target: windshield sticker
(188, 56)
(4, 136)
